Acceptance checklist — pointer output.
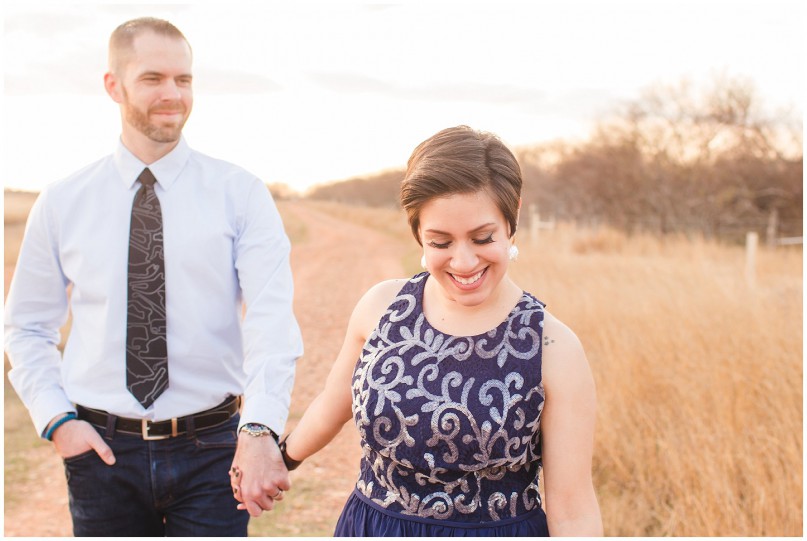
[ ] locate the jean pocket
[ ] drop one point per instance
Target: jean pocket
(79, 457)
(223, 439)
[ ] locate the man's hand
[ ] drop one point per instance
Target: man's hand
(76, 437)
(258, 475)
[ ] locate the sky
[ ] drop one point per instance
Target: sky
(305, 93)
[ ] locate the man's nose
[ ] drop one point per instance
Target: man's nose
(170, 90)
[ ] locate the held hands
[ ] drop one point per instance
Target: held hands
(258, 475)
(76, 437)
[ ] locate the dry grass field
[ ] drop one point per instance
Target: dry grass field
(699, 376)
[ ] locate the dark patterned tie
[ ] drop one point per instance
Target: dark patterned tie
(146, 347)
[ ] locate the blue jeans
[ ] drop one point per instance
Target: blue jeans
(174, 487)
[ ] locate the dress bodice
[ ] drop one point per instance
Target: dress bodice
(450, 426)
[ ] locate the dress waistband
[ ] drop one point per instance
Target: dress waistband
(441, 522)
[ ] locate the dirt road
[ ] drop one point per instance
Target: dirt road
(333, 262)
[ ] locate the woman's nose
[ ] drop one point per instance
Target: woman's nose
(464, 258)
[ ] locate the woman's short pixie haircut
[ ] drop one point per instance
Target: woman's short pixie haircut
(461, 160)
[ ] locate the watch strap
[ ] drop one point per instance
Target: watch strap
(290, 463)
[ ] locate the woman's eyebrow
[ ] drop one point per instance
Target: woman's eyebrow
(474, 230)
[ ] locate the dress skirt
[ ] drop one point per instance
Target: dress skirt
(364, 518)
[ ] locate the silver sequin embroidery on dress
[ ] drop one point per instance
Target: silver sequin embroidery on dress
(449, 425)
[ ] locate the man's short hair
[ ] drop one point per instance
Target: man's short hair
(122, 38)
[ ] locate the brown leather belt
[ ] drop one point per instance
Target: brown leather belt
(161, 430)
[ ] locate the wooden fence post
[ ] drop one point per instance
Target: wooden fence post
(751, 241)
(535, 221)
(772, 229)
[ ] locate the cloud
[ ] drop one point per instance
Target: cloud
(223, 81)
(49, 53)
(453, 91)
(72, 74)
(46, 23)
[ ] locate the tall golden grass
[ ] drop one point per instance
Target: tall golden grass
(699, 378)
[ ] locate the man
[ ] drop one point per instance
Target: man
(159, 246)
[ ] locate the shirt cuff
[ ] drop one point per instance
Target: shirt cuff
(265, 410)
(48, 406)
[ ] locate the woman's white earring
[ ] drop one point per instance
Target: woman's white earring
(512, 253)
(423, 261)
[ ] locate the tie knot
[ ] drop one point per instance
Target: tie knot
(146, 178)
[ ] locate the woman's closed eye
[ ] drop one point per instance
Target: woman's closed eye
(486, 240)
(446, 244)
(440, 245)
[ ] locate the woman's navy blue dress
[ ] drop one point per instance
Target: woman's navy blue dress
(449, 426)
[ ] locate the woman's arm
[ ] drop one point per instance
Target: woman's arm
(332, 408)
(567, 431)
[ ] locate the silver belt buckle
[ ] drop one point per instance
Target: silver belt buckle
(145, 427)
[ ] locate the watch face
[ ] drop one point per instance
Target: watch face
(255, 429)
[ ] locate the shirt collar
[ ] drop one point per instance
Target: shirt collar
(165, 170)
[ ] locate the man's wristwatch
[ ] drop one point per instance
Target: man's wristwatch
(258, 430)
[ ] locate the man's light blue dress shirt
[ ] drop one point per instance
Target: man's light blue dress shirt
(225, 247)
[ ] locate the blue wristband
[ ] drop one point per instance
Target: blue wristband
(69, 417)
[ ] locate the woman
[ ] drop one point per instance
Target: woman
(461, 384)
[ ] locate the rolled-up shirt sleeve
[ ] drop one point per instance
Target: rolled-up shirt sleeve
(36, 308)
(271, 335)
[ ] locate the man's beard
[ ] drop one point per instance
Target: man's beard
(160, 134)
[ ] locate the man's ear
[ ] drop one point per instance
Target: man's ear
(113, 87)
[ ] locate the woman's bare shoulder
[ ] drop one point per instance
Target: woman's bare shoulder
(374, 303)
(563, 353)
(383, 293)
(555, 331)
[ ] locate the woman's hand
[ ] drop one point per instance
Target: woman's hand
(258, 476)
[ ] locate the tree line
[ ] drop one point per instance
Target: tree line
(677, 159)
